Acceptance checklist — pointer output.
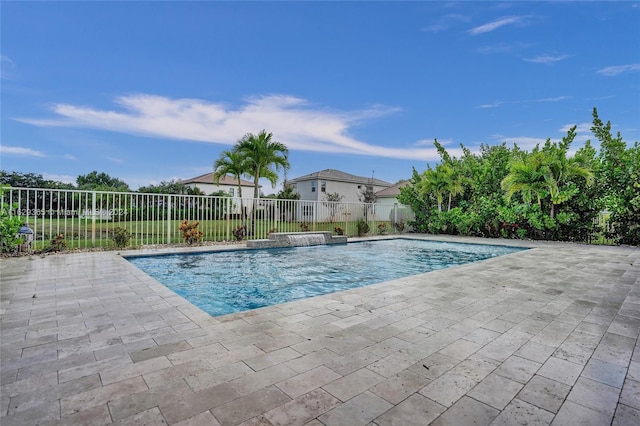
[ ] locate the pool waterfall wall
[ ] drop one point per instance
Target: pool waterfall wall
(297, 239)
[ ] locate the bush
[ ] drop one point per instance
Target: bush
(120, 237)
(240, 232)
(304, 227)
(382, 228)
(362, 227)
(57, 243)
(190, 232)
(9, 226)
(338, 230)
(399, 227)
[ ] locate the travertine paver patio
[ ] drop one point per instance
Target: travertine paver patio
(544, 336)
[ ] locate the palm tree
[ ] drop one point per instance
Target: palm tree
(263, 157)
(526, 176)
(434, 181)
(232, 163)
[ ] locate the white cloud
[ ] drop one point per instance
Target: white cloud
(16, 150)
(496, 104)
(547, 59)
(60, 178)
(524, 142)
(293, 121)
(554, 99)
(445, 22)
(619, 69)
(115, 160)
(494, 25)
(6, 67)
(491, 105)
(69, 157)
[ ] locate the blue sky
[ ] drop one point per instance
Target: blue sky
(151, 91)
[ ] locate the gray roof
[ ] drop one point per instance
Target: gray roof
(224, 180)
(392, 191)
(338, 176)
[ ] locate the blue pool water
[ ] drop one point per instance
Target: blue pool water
(238, 280)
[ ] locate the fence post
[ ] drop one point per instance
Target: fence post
(168, 219)
(93, 218)
(228, 215)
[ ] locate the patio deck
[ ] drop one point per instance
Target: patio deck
(543, 336)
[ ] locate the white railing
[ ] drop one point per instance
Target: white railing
(88, 219)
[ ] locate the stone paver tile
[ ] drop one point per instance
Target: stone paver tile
(151, 417)
(29, 385)
(605, 372)
(434, 366)
(535, 351)
(102, 395)
(37, 414)
(176, 373)
(560, 370)
(399, 387)
(357, 411)
(595, 395)
(308, 381)
(633, 372)
(518, 369)
(572, 414)
(482, 336)
(392, 364)
(615, 349)
(448, 388)
(216, 376)
(499, 325)
(251, 405)
(161, 350)
(467, 411)
(415, 334)
(626, 416)
(388, 346)
(270, 359)
(178, 409)
(95, 416)
(255, 381)
(352, 384)
(311, 360)
(631, 394)
(213, 351)
(26, 401)
(519, 412)
(301, 410)
(460, 349)
(476, 367)
(416, 410)
(159, 396)
(496, 391)
(554, 334)
(544, 393)
(625, 326)
(203, 419)
(352, 362)
(118, 373)
(504, 346)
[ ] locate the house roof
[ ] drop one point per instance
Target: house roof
(392, 191)
(337, 175)
(224, 180)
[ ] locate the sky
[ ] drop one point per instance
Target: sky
(152, 91)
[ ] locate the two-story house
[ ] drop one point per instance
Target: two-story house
(315, 186)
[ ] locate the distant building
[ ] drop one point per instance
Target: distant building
(314, 186)
(227, 184)
(389, 196)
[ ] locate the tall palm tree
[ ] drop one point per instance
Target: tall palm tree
(526, 176)
(263, 157)
(232, 162)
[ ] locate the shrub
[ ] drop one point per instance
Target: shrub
(382, 228)
(304, 226)
(338, 230)
(399, 227)
(240, 232)
(57, 243)
(120, 237)
(190, 232)
(9, 226)
(362, 227)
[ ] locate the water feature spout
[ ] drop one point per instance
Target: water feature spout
(297, 239)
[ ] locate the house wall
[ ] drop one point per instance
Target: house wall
(350, 191)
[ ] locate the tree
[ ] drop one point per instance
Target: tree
(263, 157)
(166, 187)
(95, 181)
(232, 162)
(436, 181)
(331, 201)
(30, 180)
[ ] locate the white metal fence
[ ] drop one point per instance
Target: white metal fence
(88, 218)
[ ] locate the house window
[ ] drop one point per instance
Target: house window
(323, 186)
(232, 191)
(313, 186)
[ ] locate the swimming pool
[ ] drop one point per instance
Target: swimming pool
(224, 282)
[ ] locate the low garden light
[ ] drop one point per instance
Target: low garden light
(26, 234)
